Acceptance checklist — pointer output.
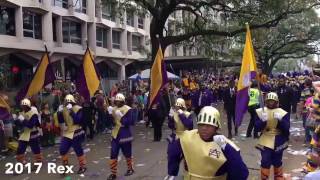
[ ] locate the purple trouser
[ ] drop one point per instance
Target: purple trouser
(125, 147)
(66, 143)
(173, 161)
(270, 157)
(33, 143)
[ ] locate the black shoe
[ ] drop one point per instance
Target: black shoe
(81, 170)
(229, 136)
(248, 135)
(112, 177)
(129, 172)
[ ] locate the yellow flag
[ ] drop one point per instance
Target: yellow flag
(90, 73)
(248, 65)
(39, 77)
(4, 104)
(158, 77)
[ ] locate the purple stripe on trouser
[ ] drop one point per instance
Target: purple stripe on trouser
(126, 149)
(33, 143)
(66, 143)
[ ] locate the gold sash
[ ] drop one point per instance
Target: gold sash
(203, 158)
(117, 121)
(178, 124)
(25, 135)
(71, 127)
(269, 133)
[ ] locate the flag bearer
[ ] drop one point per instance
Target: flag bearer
(274, 124)
(121, 136)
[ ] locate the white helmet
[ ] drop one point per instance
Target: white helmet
(69, 99)
(26, 102)
(209, 115)
(120, 97)
(272, 96)
(180, 103)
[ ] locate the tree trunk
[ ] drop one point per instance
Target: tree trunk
(266, 68)
(156, 29)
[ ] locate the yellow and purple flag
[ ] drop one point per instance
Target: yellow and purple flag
(4, 109)
(247, 73)
(158, 77)
(43, 76)
(88, 80)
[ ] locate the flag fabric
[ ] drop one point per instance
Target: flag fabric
(247, 73)
(158, 77)
(43, 76)
(4, 104)
(87, 79)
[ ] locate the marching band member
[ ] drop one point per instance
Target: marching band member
(207, 154)
(30, 134)
(179, 121)
(70, 117)
(274, 124)
(121, 136)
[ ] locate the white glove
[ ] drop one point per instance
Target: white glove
(277, 116)
(171, 112)
(119, 114)
(264, 116)
(14, 116)
(20, 117)
(60, 109)
(180, 111)
(220, 140)
(110, 109)
(69, 106)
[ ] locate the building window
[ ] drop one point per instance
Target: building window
(116, 37)
(7, 21)
(71, 32)
(32, 25)
(80, 6)
(130, 18)
(141, 22)
(107, 13)
(54, 28)
(61, 3)
(136, 43)
(101, 37)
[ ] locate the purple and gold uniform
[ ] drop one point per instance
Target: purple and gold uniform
(70, 118)
(30, 134)
(179, 121)
(216, 158)
(121, 137)
(274, 125)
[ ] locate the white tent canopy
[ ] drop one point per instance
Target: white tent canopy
(145, 74)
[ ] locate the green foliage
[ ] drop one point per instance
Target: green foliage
(220, 25)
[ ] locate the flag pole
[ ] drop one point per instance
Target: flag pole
(257, 79)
